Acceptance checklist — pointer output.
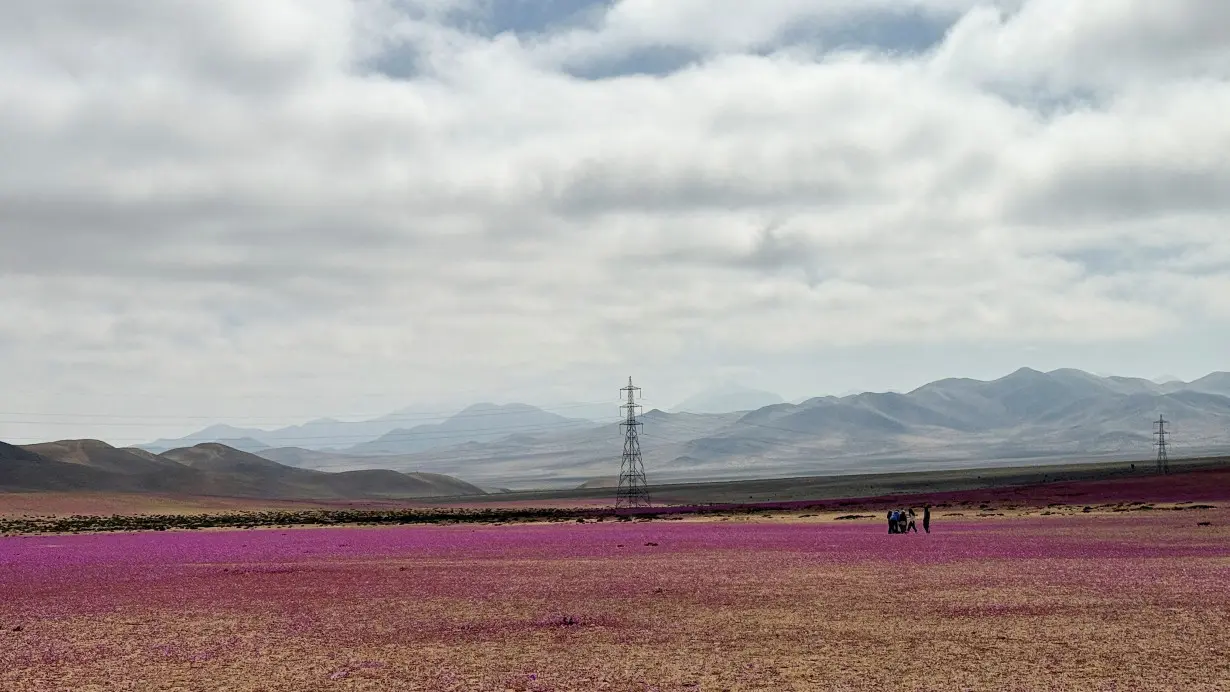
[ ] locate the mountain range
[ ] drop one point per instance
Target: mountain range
(727, 398)
(204, 469)
(478, 423)
(414, 429)
(391, 434)
(1025, 417)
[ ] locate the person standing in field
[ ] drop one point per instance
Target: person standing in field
(927, 518)
(911, 525)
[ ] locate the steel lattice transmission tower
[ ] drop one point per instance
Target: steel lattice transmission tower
(1163, 459)
(633, 491)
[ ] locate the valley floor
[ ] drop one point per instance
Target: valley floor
(1071, 600)
(81, 503)
(1192, 479)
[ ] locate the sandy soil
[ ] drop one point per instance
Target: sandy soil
(18, 504)
(1069, 600)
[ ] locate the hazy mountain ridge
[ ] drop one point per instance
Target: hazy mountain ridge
(321, 433)
(478, 423)
(1026, 412)
(404, 431)
(1025, 415)
(727, 398)
(546, 458)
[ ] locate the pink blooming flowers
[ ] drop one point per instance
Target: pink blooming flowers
(1004, 603)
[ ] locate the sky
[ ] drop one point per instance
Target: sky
(263, 213)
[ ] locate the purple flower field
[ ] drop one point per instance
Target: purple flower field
(1083, 602)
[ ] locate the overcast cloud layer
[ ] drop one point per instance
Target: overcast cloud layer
(266, 212)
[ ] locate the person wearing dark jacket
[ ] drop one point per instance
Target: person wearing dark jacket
(927, 518)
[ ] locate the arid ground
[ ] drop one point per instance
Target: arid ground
(63, 504)
(1125, 596)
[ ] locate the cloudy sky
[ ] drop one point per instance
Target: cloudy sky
(264, 212)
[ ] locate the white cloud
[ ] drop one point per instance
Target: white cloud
(204, 199)
(1100, 46)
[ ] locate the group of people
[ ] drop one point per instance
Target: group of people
(902, 520)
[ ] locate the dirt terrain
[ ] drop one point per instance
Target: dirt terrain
(866, 485)
(1022, 587)
(998, 488)
(1086, 602)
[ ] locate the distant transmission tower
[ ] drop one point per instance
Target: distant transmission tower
(633, 490)
(1163, 460)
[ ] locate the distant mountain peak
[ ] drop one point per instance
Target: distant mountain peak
(87, 443)
(487, 406)
(1065, 371)
(215, 446)
(728, 399)
(482, 422)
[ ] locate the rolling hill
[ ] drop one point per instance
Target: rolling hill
(100, 455)
(22, 469)
(205, 469)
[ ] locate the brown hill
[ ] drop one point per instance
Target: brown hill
(100, 455)
(251, 474)
(142, 453)
(209, 469)
(218, 458)
(22, 469)
(386, 483)
(129, 471)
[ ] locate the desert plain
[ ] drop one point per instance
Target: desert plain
(1118, 584)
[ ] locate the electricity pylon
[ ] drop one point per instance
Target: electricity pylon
(633, 491)
(1163, 459)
